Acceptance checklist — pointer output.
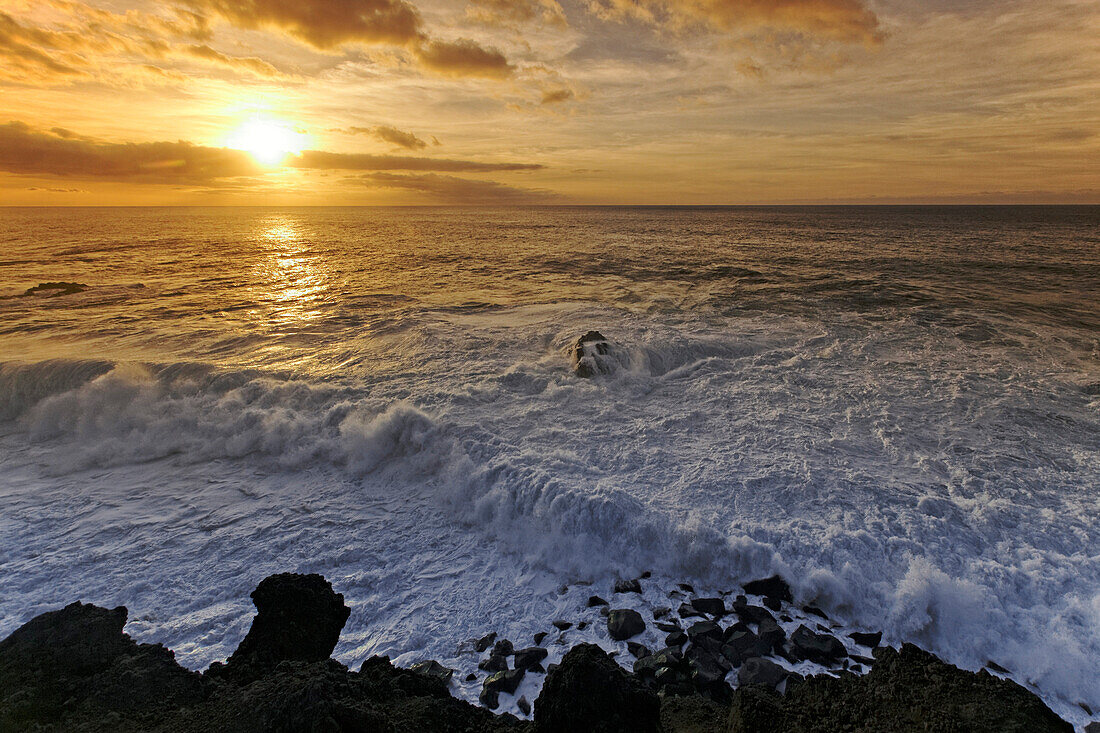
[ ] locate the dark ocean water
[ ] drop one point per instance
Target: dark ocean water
(898, 408)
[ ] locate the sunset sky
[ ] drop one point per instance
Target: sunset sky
(549, 101)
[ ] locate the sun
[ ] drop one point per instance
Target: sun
(268, 141)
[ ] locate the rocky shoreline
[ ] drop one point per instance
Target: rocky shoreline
(749, 661)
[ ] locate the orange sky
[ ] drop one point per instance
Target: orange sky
(549, 101)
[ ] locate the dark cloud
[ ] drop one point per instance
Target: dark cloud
(63, 153)
(842, 20)
(321, 160)
(27, 151)
(324, 24)
(462, 58)
(455, 190)
(388, 134)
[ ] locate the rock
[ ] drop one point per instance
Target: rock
(676, 638)
(503, 648)
(506, 681)
(711, 606)
(628, 586)
(624, 623)
(1093, 727)
(868, 640)
(637, 650)
(298, 618)
(582, 626)
(588, 691)
(485, 642)
(771, 634)
(471, 677)
(523, 705)
(990, 664)
(537, 667)
(432, 668)
(773, 604)
(594, 601)
(773, 587)
(661, 612)
(687, 610)
(760, 671)
(670, 657)
(820, 648)
(528, 657)
(686, 587)
(539, 637)
(708, 672)
(667, 628)
(489, 698)
(906, 690)
(54, 289)
(591, 355)
(752, 614)
(704, 629)
(816, 612)
(495, 663)
(646, 575)
(747, 644)
(562, 625)
(866, 661)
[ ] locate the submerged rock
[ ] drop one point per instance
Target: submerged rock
(773, 587)
(591, 355)
(588, 691)
(54, 289)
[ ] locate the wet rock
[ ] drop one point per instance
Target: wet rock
(432, 668)
(661, 612)
(298, 618)
(1093, 727)
(906, 690)
(594, 601)
(676, 638)
(687, 610)
(773, 587)
(485, 642)
(990, 664)
(591, 355)
(628, 586)
(820, 648)
(814, 610)
(704, 630)
(667, 627)
(760, 671)
(752, 614)
(471, 677)
(747, 644)
(868, 640)
(562, 625)
(771, 634)
(686, 587)
(495, 663)
(588, 691)
(637, 650)
(523, 705)
(582, 626)
(624, 623)
(503, 648)
(54, 289)
(669, 657)
(537, 667)
(773, 604)
(539, 637)
(506, 681)
(529, 657)
(711, 606)
(489, 698)
(708, 672)
(866, 661)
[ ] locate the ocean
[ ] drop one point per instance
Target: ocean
(896, 408)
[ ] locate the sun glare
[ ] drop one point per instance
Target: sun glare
(268, 141)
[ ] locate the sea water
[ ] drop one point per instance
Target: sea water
(897, 409)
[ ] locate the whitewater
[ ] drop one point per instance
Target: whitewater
(897, 409)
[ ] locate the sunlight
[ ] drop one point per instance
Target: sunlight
(268, 141)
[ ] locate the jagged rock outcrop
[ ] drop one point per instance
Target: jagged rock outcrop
(589, 692)
(590, 355)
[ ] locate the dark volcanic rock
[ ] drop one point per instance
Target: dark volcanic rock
(54, 289)
(773, 587)
(76, 664)
(506, 681)
(529, 657)
(539, 637)
(434, 669)
(676, 638)
(624, 623)
(562, 625)
(771, 634)
(686, 587)
(523, 705)
(503, 648)
(710, 606)
(298, 618)
(704, 629)
(906, 690)
(868, 640)
(661, 612)
(820, 648)
(590, 355)
(752, 614)
(594, 601)
(687, 610)
(485, 642)
(759, 671)
(816, 612)
(495, 663)
(588, 691)
(628, 586)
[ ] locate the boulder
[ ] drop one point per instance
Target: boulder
(503, 648)
(432, 668)
(594, 601)
(628, 586)
(760, 671)
(588, 691)
(495, 663)
(523, 705)
(506, 681)
(773, 587)
(529, 657)
(820, 648)
(485, 642)
(624, 623)
(591, 355)
(298, 618)
(562, 625)
(868, 640)
(676, 638)
(637, 650)
(704, 629)
(771, 634)
(539, 637)
(711, 606)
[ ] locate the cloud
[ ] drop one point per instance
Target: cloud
(248, 63)
(389, 134)
(455, 190)
(26, 151)
(462, 58)
(557, 95)
(505, 12)
(322, 160)
(842, 20)
(324, 24)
